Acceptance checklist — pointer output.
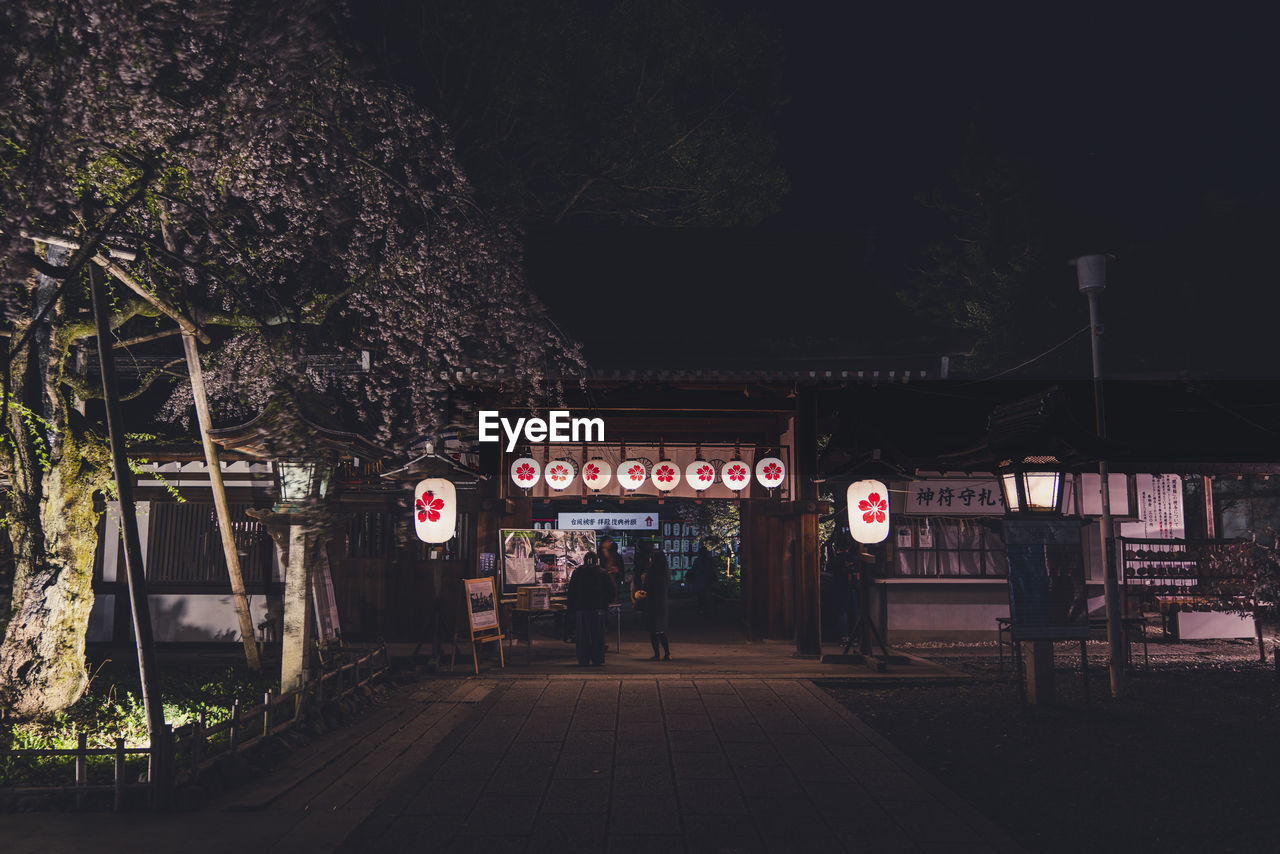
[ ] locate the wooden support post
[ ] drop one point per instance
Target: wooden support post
(119, 776)
(133, 565)
(197, 746)
(82, 769)
(1039, 671)
(266, 714)
(233, 734)
(221, 506)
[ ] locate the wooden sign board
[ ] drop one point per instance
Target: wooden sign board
(482, 604)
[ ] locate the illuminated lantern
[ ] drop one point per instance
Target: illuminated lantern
(435, 510)
(559, 474)
(525, 472)
(868, 511)
(735, 475)
(770, 472)
(666, 474)
(596, 473)
(700, 474)
(631, 474)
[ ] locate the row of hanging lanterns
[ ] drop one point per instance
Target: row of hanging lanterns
(632, 473)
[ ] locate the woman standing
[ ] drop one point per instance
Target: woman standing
(655, 603)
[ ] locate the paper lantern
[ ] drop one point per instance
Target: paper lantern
(868, 511)
(666, 475)
(631, 474)
(770, 472)
(700, 474)
(559, 474)
(735, 475)
(435, 510)
(525, 472)
(596, 473)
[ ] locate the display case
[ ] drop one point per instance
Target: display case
(1192, 593)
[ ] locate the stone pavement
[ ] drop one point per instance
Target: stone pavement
(589, 763)
(656, 764)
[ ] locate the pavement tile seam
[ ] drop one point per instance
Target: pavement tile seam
(985, 829)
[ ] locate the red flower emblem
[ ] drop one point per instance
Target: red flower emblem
(873, 508)
(558, 473)
(772, 471)
(636, 472)
(524, 472)
(664, 474)
(737, 473)
(429, 507)
(705, 473)
(591, 472)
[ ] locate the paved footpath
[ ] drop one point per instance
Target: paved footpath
(562, 765)
(638, 765)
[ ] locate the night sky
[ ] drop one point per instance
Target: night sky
(1153, 138)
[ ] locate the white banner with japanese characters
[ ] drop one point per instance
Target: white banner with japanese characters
(605, 521)
(954, 496)
(1160, 511)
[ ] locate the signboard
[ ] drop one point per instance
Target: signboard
(542, 556)
(1160, 511)
(603, 520)
(482, 604)
(1047, 594)
(954, 496)
(1091, 494)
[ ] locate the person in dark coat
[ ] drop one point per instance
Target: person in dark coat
(702, 575)
(844, 587)
(644, 551)
(655, 602)
(591, 591)
(611, 561)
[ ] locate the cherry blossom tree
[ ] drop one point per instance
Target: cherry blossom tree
(232, 172)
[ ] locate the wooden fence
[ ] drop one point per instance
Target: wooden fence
(194, 747)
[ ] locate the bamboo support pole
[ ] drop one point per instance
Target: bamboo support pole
(221, 506)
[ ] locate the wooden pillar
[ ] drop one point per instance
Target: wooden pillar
(1038, 661)
(806, 571)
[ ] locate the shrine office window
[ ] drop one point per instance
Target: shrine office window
(940, 547)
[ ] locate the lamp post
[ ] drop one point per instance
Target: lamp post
(1091, 275)
(298, 481)
(1033, 492)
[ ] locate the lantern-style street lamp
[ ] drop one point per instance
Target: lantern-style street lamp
(1032, 485)
(299, 480)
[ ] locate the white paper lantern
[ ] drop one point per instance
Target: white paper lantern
(596, 473)
(525, 472)
(631, 474)
(700, 474)
(735, 475)
(559, 474)
(435, 510)
(770, 472)
(666, 475)
(868, 511)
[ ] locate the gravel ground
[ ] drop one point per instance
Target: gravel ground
(1185, 761)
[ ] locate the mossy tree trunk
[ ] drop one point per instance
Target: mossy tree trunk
(55, 467)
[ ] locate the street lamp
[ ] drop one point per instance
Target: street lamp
(1091, 276)
(1032, 485)
(299, 480)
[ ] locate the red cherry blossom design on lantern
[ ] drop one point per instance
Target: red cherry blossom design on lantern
(636, 472)
(591, 472)
(772, 471)
(429, 507)
(737, 473)
(524, 472)
(705, 473)
(664, 474)
(873, 508)
(558, 473)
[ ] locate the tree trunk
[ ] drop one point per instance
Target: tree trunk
(54, 471)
